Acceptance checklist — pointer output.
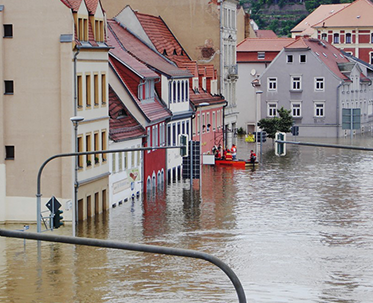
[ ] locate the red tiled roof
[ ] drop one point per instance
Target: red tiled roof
(141, 69)
(327, 53)
(203, 97)
(357, 14)
(265, 33)
(73, 4)
(153, 110)
(323, 11)
(162, 37)
(143, 53)
(263, 44)
(123, 125)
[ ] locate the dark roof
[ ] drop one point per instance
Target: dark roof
(123, 126)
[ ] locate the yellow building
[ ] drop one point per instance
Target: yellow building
(54, 67)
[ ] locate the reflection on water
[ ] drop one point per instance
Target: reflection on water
(298, 229)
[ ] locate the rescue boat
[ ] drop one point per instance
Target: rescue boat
(235, 163)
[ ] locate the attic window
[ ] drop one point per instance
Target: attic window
(121, 114)
(164, 52)
(175, 52)
(335, 55)
(261, 55)
(324, 54)
(317, 54)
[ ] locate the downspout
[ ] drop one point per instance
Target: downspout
(338, 113)
(75, 81)
(226, 103)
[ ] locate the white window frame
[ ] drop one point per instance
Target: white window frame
(350, 39)
(319, 109)
(296, 109)
(324, 36)
(261, 55)
(336, 38)
(288, 57)
(319, 84)
(272, 109)
(296, 83)
(302, 56)
(272, 84)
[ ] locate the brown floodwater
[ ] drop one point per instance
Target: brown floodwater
(297, 229)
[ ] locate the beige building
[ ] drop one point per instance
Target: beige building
(208, 30)
(40, 58)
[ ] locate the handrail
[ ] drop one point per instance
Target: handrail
(134, 247)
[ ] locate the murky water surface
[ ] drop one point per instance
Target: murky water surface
(298, 229)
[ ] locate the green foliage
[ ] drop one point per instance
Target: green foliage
(283, 19)
(283, 123)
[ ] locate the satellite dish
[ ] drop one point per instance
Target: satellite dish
(253, 72)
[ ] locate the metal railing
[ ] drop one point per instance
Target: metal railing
(134, 247)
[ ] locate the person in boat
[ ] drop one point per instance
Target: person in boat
(218, 152)
(234, 152)
(228, 155)
(252, 156)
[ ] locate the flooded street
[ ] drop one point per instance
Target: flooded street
(298, 229)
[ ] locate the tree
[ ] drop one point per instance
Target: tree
(283, 123)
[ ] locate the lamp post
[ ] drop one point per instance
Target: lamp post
(75, 120)
(257, 117)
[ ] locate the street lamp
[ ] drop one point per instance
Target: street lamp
(75, 120)
(257, 116)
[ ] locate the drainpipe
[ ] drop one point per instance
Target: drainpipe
(338, 113)
(75, 82)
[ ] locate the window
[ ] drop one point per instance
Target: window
(99, 30)
(80, 150)
(289, 58)
(88, 149)
(371, 58)
(371, 38)
(272, 84)
(82, 29)
(261, 55)
(348, 38)
(146, 90)
(9, 87)
(296, 83)
(319, 109)
(319, 84)
(302, 58)
(213, 121)
(79, 91)
(324, 36)
(95, 84)
(96, 145)
(113, 162)
(103, 89)
(120, 161)
(88, 90)
(296, 109)
(336, 38)
(272, 109)
(132, 158)
(9, 152)
(8, 30)
(103, 144)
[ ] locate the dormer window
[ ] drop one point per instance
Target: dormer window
(99, 30)
(82, 29)
(146, 90)
(121, 114)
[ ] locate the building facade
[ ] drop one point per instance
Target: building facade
(66, 77)
(316, 81)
